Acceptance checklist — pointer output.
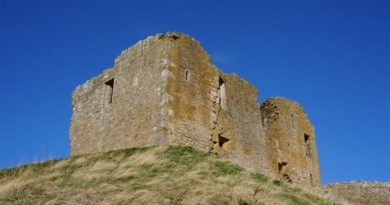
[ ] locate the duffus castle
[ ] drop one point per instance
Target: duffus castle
(164, 90)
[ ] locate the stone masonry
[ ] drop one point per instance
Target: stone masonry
(361, 193)
(290, 141)
(164, 90)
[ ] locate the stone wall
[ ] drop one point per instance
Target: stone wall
(361, 193)
(290, 142)
(164, 90)
(126, 113)
(210, 110)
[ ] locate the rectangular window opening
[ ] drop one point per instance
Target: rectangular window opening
(307, 144)
(221, 82)
(306, 137)
(109, 90)
(221, 93)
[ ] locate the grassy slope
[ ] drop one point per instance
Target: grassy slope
(155, 175)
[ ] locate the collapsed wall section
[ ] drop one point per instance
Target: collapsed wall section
(290, 142)
(121, 107)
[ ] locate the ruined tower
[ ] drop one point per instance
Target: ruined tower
(290, 141)
(164, 90)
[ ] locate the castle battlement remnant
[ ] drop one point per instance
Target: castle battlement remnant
(164, 90)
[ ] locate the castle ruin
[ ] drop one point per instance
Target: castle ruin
(164, 90)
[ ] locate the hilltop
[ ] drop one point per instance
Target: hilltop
(151, 175)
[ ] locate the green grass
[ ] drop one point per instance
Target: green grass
(292, 199)
(186, 156)
(243, 202)
(150, 175)
(259, 177)
(225, 168)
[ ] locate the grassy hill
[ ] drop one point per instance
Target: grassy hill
(153, 175)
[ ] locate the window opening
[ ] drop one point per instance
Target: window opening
(109, 89)
(222, 141)
(307, 144)
(311, 178)
(187, 75)
(221, 93)
(293, 121)
(281, 166)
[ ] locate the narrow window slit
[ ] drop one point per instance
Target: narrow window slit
(311, 178)
(306, 137)
(221, 93)
(109, 90)
(187, 75)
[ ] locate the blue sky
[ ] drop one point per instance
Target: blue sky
(330, 56)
